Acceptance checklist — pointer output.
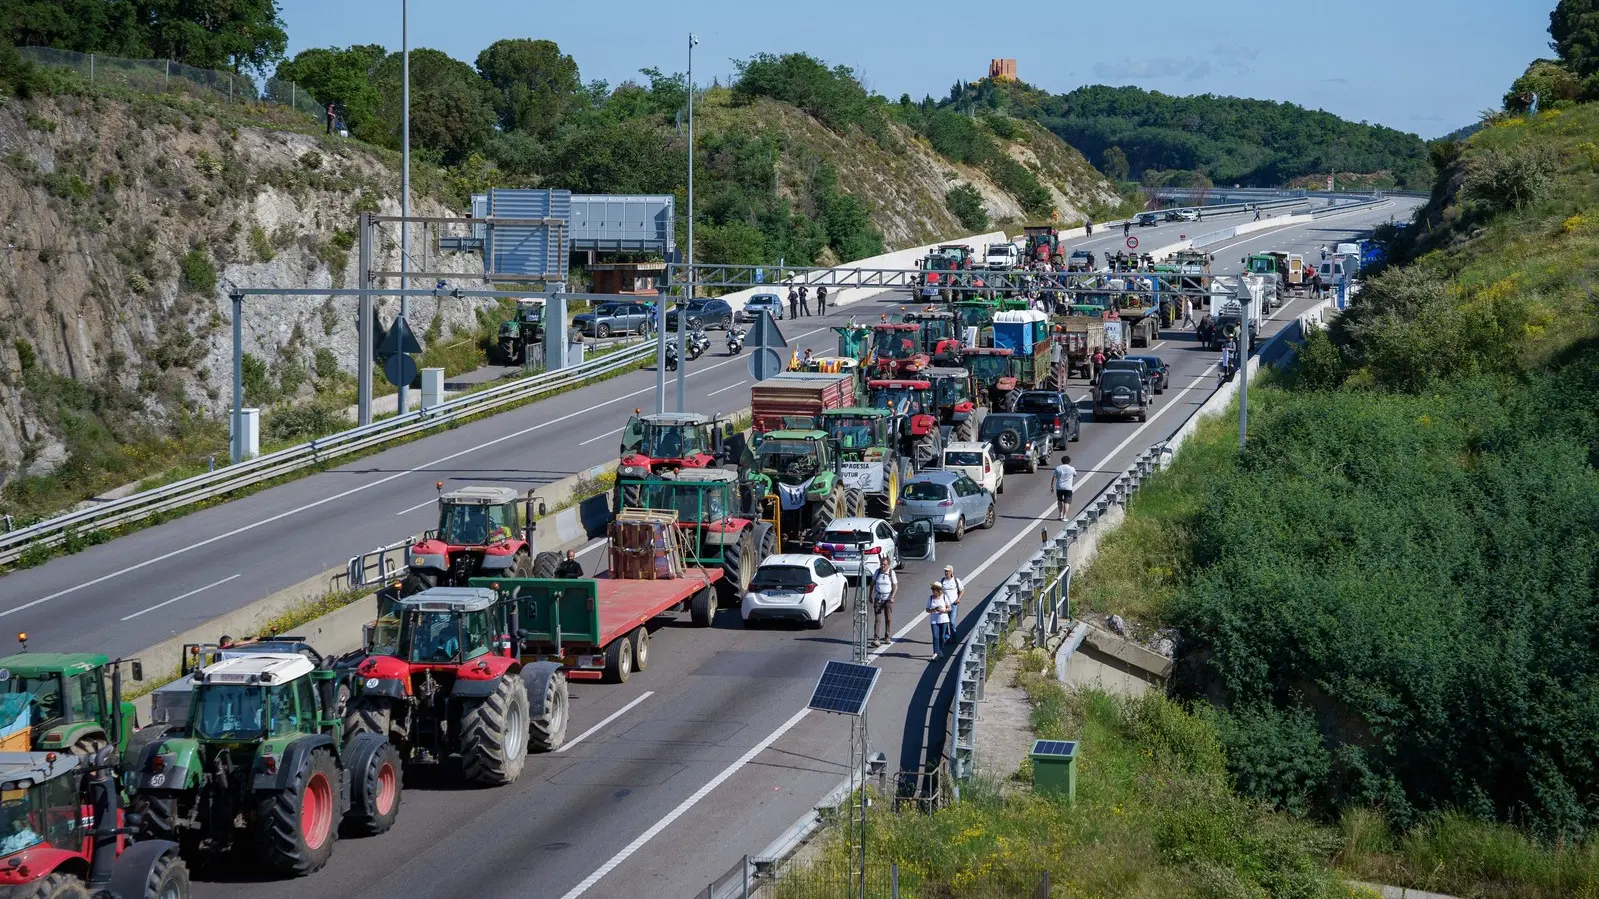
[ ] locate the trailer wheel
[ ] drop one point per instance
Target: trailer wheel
(619, 660)
(547, 728)
(641, 647)
(296, 825)
(494, 734)
(55, 886)
(702, 607)
(375, 785)
(544, 564)
(168, 878)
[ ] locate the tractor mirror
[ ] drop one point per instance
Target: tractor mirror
(136, 668)
(191, 658)
(366, 638)
(543, 510)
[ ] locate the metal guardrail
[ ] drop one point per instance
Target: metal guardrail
(14, 544)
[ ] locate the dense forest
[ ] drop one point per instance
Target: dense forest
(1145, 135)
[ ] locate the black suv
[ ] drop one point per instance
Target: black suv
(1017, 439)
(1120, 392)
(703, 313)
(1152, 382)
(1160, 371)
(1055, 411)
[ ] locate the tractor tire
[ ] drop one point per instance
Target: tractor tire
(296, 826)
(965, 431)
(854, 502)
(828, 509)
(765, 542)
(367, 715)
(619, 660)
(375, 785)
(53, 886)
(168, 879)
(878, 506)
(630, 497)
(159, 815)
(522, 565)
(544, 565)
(702, 607)
(640, 638)
(738, 566)
(926, 450)
(547, 731)
(494, 734)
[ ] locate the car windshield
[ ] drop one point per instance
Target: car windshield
(40, 692)
(764, 299)
(963, 457)
(229, 712)
(690, 503)
(434, 637)
(1262, 266)
(1039, 402)
(894, 344)
(895, 397)
(780, 577)
(672, 441)
(994, 424)
(925, 491)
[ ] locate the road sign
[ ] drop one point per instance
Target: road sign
(764, 363)
(399, 340)
(1132, 242)
(764, 334)
(400, 369)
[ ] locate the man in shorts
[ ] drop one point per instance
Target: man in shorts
(884, 583)
(1065, 477)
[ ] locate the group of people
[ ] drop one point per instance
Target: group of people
(943, 606)
(799, 302)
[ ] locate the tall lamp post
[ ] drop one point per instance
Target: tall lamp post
(682, 317)
(404, 395)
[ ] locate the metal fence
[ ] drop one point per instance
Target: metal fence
(17, 543)
(750, 879)
(161, 76)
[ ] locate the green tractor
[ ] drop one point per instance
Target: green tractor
(722, 517)
(801, 468)
(63, 701)
(519, 334)
(870, 460)
(262, 746)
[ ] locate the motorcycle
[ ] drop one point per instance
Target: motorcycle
(671, 357)
(698, 343)
(735, 341)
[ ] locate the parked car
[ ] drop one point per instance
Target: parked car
(703, 313)
(1183, 215)
(976, 461)
(1159, 371)
(1145, 373)
(762, 302)
(841, 543)
(1120, 393)
(950, 500)
(613, 318)
(794, 587)
(1146, 219)
(1055, 412)
(1016, 439)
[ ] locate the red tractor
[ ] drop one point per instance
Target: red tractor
(443, 676)
(913, 405)
(479, 535)
(669, 441)
(897, 350)
(955, 401)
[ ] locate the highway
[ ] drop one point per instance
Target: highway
(668, 780)
(133, 592)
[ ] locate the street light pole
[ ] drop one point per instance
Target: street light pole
(682, 317)
(404, 396)
(1243, 373)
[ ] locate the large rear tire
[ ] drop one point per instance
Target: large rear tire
(547, 731)
(522, 565)
(619, 660)
(765, 542)
(168, 879)
(375, 785)
(53, 886)
(828, 509)
(854, 502)
(297, 824)
(738, 566)
(544, 564)
(494, 734)
(965, 431)
(367, 715)
(158, 818)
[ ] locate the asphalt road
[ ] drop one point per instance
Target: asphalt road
(708, 755)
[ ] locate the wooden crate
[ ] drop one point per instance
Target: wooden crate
(646, 545)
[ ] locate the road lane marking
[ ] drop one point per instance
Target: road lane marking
(603, 436)
(604, 721)
(184, 596)
(415, 507)
(725, 389)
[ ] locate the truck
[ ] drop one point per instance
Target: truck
(518, 334)
(1083, 336)
(1043, 244)
(797, 399)
(1001, 256)
(478, 533)
(64, 702)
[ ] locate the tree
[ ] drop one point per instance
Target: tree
(452, 109)
(239, 35)
(86, 26)
(1553, 83)
(535, 84)
(1113, 162)
(341, 77)
(630, 157)
(1574, 25)
(967, 204)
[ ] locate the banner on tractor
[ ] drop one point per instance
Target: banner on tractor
(867, 476)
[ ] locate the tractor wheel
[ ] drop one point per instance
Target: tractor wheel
(630, 497)
(966, 430)
(1053, 381)
(878, 506)
(295, 826)
(854, 502)
(54, 886)
(494, 734)
(544, 564)
(702, 607)
(375, 785)
(738, 566)
(168, 879)
(765, 541)
(926, 450)
(619, 660)
(641, 647)
(828, 509)
(548, 730)
(159, 815)
(522, 565)
(367, 715)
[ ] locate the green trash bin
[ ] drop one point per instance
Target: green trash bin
(1055, 768)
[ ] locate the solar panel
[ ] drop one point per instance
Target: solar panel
(1061, 748)
(844, 688)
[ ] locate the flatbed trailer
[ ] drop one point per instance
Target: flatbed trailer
(582, 623)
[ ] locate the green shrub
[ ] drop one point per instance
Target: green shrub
(199, 274)
(967, 205)
(324, 364)
(261, 245)
(307, 421)
(1505, 180)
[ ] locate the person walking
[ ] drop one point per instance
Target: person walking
(805, 305)
(1188, 312)
(938, 618)
(1088, 227)
(954, 590)
(793, 302)
(884, 584)
(1065, 478)
(569, 568)
(821, 299)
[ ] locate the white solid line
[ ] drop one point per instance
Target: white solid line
(602, 436)
(604, 721)
(176, 598)
(725, 389)
(415, 507)
(684, 806)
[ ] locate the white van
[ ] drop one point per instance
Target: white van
(976, 461)
(999, 256)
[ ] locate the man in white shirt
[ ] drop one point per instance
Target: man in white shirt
(1065, 480)
(953, 591)
(884, 585)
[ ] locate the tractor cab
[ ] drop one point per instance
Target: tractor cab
(853, 341)
(991, 373)
(940, 334)
(795, 457)
(912, 404)
(63, 701)
(974, 314)
(524, 328)
(253, 698)
(897, 348)
(953, 398)
(479, 533)
(669, 441)
(41, 809)
(438, 628)
(857, 431)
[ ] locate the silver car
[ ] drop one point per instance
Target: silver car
(952, 501)
(762, 302)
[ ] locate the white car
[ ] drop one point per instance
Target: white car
(976, 461)
(842, 544)
(794, 587)
(1188, 215)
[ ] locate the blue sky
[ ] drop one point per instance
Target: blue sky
(1427, 66)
